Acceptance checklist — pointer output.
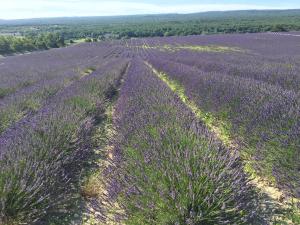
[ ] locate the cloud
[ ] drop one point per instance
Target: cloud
(14, 9)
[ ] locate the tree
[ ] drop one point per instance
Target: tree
(278, 28)
(4, 46)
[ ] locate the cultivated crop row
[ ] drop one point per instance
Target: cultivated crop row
(42, 154)
(264, 117)
(168, 168)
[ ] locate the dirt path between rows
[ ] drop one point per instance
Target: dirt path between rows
(98, 207)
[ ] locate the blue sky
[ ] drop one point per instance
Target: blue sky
(17, 9)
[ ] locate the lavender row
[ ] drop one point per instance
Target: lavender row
(22, 72)
(20, 105)
(169, 168)
(280, 71)
(263, 44)
(235, 57)
(59, 69)
(264, 116)
(49, 105)
(41, 157)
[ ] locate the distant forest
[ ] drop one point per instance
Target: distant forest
(52, 32)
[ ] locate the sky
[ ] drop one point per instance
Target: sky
(19, 9)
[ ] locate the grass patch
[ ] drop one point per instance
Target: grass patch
(92, 186)
(26, 83)
(81, 73)
(210, 48)
(7, 117)
(30, 105)
(5, 91)
(82, 103)
(88, 71)
(196, 48)
(79, 41)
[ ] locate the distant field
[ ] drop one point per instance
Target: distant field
(165, 130)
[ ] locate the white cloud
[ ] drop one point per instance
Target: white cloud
(14, 9)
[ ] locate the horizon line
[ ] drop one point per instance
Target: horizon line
(148, 14)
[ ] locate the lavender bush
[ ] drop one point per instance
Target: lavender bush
(169, 167)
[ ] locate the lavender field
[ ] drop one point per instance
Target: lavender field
(174, 130)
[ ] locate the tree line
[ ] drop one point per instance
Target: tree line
(19, 44)
(183, 28)
(251, 21)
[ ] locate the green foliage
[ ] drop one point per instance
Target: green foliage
(18, 200)
(89, 70)
(79, 102)
(30, 105)
(88, 40)
(7, 117)
(16, 44)
(5, 91)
